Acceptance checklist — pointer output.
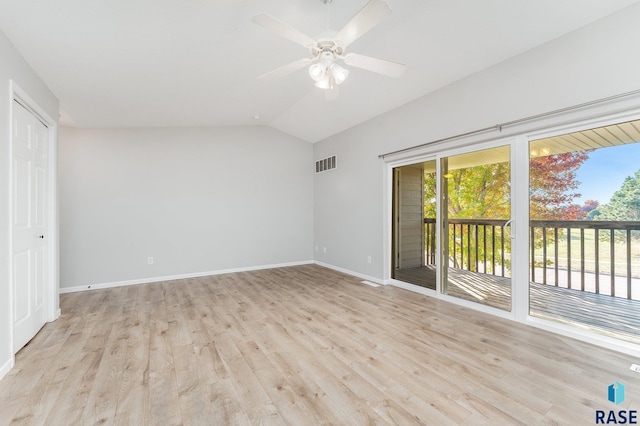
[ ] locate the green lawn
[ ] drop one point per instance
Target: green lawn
(604, 257)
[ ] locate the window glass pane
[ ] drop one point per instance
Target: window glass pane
(584, 265)
(475, 210)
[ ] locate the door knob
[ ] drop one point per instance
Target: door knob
(507, 231)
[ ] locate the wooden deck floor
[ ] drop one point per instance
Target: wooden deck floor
(301, 346)
(612, 316)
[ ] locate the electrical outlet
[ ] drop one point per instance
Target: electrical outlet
(368, 259)
(149, 260)
(635, 367)
(324, 249)
(316, 248)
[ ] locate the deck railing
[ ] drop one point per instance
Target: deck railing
(595, 256)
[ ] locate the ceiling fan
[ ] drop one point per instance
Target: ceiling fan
(326, 52)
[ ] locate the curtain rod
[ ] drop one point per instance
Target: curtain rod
(499, 127)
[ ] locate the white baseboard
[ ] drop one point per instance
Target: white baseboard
(179, 277)
(412, 287)
(348, 272)
(6, 367)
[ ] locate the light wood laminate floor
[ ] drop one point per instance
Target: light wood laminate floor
(616, 317)
(300, 345)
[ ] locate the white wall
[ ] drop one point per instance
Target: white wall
(197, 200)
(12, 67)
(593, 62)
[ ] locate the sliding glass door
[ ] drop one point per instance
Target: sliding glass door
(576, 258)
(584, 230)
(474, 261)
(475, 211)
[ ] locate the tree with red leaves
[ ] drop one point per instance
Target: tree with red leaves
(482, 191)
(589, 208)
(552, 185)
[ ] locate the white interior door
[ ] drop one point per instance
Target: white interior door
(29, 230)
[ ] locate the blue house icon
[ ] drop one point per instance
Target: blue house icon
(616, 393)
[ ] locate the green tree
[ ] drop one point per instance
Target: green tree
(430, 195)
(624, 203)
(483, 192)
(476, 192)
(480, 192)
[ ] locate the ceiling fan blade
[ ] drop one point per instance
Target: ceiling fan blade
(388, 68)
(283, 30)
(286, 69)
(368, 17)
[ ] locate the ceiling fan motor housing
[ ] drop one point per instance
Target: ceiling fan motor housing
(326, 46)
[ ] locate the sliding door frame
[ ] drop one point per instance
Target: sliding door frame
(389, 238)
(438, 156)
(518, 136)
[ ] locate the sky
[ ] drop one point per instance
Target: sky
(605, 170)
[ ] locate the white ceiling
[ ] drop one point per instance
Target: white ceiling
(167, 63)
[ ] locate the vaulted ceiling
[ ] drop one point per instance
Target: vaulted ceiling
(168, 63)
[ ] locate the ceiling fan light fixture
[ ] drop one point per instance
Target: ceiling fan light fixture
(328, 82)
(317, 72)
(339, 73)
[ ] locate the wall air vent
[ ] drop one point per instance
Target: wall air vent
(326, 164)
